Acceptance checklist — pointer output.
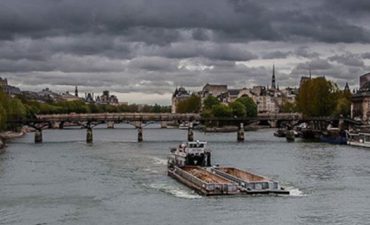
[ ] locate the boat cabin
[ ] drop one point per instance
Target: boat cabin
(192, 153)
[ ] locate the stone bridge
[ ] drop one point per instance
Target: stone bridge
(139, 120)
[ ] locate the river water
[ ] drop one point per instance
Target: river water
(118, 181)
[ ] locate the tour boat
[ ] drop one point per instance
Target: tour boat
(190, 163)
(358, 139)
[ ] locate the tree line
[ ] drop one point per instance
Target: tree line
(213, 107)
(20, 107)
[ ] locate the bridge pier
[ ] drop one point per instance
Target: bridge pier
(190, 132)
(273, 123)
(89, 135)
(38, 136)
(240, 133)
(110, 124)
(163, 124)
(140, 134)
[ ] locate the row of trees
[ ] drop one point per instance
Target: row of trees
(19, 107)
(212, 107)
(10, 109)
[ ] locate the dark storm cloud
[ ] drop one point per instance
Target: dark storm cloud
(157, 21)
(154, 45)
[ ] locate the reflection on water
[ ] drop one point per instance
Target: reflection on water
(119, 181)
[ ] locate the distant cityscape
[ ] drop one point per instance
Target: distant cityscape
(269, 99)
(47, 95)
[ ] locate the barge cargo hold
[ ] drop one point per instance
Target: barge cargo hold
(203, 181)
(190, 164)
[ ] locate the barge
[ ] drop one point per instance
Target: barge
(190, 163)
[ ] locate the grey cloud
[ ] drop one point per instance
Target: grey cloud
(276, 55)
(348, 60)
(305, 52)
(366, 55)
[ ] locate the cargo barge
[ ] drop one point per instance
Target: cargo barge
(190, 163)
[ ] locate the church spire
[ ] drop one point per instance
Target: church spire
(346, 88)
(273, 81)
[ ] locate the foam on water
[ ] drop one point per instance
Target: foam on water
(295, 192)
(159, 161)
(175, 191)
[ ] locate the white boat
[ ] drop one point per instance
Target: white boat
(358, 139)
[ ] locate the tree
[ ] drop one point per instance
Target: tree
(288, 107)
(343, 103)
(2, 117)
(221, 111)
(317, 97)
(238, 109)
(190, 105)
(249, 104)
(210, 101)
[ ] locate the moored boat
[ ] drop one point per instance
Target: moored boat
(334, 136)
(358, 139)
(190, 163)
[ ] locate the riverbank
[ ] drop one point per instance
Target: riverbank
(7, 135)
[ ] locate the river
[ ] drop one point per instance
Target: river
(118, 181)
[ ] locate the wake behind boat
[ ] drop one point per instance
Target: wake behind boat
(190, 163)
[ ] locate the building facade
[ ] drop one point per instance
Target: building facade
(360, 107)
(179, 95)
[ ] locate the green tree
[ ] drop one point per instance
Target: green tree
(190, 105)
(238, 109)
(3, 118)
(343, 103)
(210, 101)
(288, 107)
(317, 97)
(249, 104)
(221, 111)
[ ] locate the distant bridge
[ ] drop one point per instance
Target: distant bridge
(138, 120)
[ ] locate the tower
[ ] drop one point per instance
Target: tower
(346, 88)
(76, 91)
(273, 82)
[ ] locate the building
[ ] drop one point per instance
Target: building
(360, 107)
(213, 90)
(69, 97)
(179, 95)
(10, 90)
(106, 98)
(3, 82)
(89, 98)
(273, 80)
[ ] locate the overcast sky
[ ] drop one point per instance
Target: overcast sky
(142, 50)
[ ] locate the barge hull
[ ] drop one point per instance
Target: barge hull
(250, 183)
(201, 186)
